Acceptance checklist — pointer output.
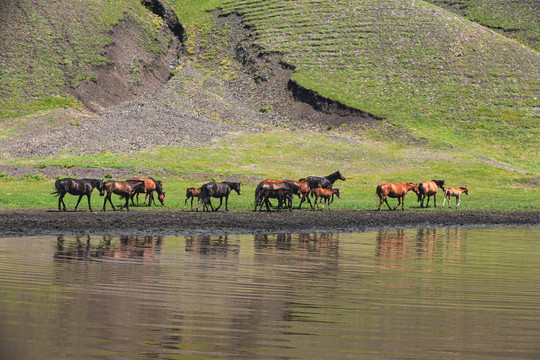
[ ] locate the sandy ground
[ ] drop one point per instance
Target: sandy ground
(163, 222)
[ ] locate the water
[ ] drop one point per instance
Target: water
(450, 293)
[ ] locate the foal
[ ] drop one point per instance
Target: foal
(192, 193)
(455, 192)
(325, 195)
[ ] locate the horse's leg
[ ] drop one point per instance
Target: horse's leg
(78, 201)
(61, 201)
(126, 205)
(220, 203)
(108, 197)
(403, 203)
(387, 204)
(444, 201)
(435, 201)
(398, 202)
(227, 203)
(89, 205)
(458, 200)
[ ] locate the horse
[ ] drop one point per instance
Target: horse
(217, 190)
(305, 189)
(192, 193)
(395, 190)
(282, 194)
(326, 182)
(455, 192)
(150, 185)
(124, 189)
(429, 188)
(272, 185)
(325, 195)
(80, 187)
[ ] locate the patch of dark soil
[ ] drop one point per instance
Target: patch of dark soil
(165, 12)
(135, 222)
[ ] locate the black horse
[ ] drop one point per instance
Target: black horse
(326, 182)
(77, 187)
(217, 190)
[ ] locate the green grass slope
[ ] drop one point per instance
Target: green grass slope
(515, 19)
(436, 74)
(48, 47)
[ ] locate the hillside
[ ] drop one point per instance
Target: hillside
(383, 86)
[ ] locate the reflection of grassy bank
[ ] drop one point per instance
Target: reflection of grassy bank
(250, 158)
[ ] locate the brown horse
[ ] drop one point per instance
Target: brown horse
(192, 193)
(150, 185)
(325, 195)
(80, 187)
(455, 192)
(395, 190)
(429, 189)
(124, 189)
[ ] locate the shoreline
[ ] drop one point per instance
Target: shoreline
(43, 222)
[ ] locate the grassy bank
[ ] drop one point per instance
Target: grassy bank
(250, 158)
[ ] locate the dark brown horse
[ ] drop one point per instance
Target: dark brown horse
(80, 187)
(192, 193)
(282, 194)
(150, 185)
(217, 190)
(454, 192)
(326, 182)
(123, 188)
(429, 189)
(272, 185)
(305, 189)
(395, 190)
(325, 195)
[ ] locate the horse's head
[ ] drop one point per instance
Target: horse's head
(161, 198)
(101, 187)
(236, 187)
(466, 190)
(340, 176)
(336, 192)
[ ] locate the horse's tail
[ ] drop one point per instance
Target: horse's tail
(258, 194)
(378, 191)
(420, 191)
(205, 194)
(56, 193)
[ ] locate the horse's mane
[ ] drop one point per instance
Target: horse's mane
(439, 183)
(159, 190)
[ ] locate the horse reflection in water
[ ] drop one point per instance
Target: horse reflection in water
(206, 244)
(397, 248)
(135, 247)
(129, 247)
(308, 243)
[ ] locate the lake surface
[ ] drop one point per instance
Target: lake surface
(447, 293)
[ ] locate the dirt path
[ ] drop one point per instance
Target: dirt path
(141, 222)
